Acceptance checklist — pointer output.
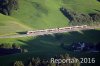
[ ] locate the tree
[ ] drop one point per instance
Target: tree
(25, 50)
(30, 64)
(62, 45)
(14, 46)
(1, 45)
(37, 61)
(52, 64)
(98, 46)
(76, 62)
(66, 56)
(33, 62)
(18, 63)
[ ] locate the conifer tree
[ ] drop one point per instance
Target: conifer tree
(30, 64)
(18, 63)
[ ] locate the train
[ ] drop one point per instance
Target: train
(56, 29)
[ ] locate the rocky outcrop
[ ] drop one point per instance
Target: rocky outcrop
(79, 17)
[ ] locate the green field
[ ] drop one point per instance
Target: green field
(9, 25)
(40, 14)
(37, 14)
(46, 13)
(82, 6)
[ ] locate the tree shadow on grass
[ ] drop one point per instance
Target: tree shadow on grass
(97, 10)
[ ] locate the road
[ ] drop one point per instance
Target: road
(46, 33)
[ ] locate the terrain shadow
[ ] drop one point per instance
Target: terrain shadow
(49, 45)
(52, 42)
(22, 32)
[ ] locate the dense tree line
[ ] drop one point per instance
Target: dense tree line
(4, 50)
(98, 0)
(14, 46)
(46, 62)
(80, 17)
(13, 49)
(18, 63)
(75, 45)
(6, 6)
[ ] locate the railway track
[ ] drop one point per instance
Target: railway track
(49, 31)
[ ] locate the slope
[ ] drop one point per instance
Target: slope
(40, 14)
(83, 6)
(10, 25)
(46, 13)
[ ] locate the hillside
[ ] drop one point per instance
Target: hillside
(40, 14)
(83, 6)
(46, 13)
(9, 25)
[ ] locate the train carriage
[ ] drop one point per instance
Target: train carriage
(31, 32)
(56, 29)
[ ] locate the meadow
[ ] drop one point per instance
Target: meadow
(33, 15)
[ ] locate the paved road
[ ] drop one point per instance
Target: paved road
(46, 33)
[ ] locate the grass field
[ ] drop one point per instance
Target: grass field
(46, 13)
(82, 6)
(37, 14)
(9, 25)
(40, 14)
